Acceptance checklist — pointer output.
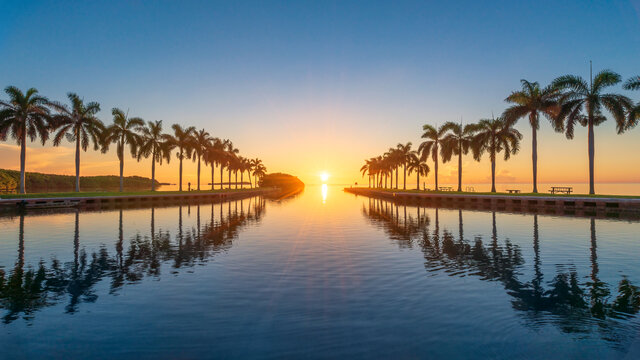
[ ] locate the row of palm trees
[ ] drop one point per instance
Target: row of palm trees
(488, 136)
(568, 101)
(30, 115)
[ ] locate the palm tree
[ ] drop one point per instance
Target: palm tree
(24, 114)
(78, 124)
(457, 142)
(417, 165)
(531, 102)
(404, 152)
(432, 145)
(216, 155)
(183, 140)
(255, 164)
(201, 141)
(583, 103)
(233, 164)
(155, 144)
(494, 136)
(259, 171)
(395, 159)
(634, 114)
(379, 169)
(367, 169)
(231, 159)
(123, 132)
(244, 165)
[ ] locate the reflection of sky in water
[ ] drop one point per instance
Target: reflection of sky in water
(351, 278)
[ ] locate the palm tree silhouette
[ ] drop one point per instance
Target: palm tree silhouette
(201, 142)
(259, 171)
(78, 124)
(155, 144)
(634, 114)
(531, 102)
(457, 142)
(494, 136)
(417, 165)
(579, 96)
(255, 165)
(366, 169)
(244, 164)
(403, 152)
(24, 114)
(215, 155)
(231, 160)
(183, 140)
(432, 145)
(395, 159)
(123, 132)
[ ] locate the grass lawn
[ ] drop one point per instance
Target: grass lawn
(114, 193)
(503, 194)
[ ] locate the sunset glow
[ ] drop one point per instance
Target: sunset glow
(319, 179)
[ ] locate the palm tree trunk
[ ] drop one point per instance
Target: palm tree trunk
(241, 180)
(23, 155)
(213, 168)
(397, 169)
(221, 178)
(493, 174)
(77, 163)
(122, 171)
(198, 172)
(534, 157)
(460, 170)
(404, 184)
(418, 181)
(153, 171)
(592, 190)
(180, 173)
(436, 166)
(180, 176)
(236, 179)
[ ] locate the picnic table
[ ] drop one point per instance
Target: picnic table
(445, 188)
(561, 189)
(513, 191)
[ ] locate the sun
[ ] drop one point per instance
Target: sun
(324, 176)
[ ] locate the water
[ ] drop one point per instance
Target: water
(322, 275)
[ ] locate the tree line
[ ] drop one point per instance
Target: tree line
(29, 115)
(568, 101)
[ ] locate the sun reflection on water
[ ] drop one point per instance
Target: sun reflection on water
(325, 190)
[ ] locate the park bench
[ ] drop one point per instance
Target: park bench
(513, 191)
(561, 190)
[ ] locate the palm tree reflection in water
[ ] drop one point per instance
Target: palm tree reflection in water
(564, 301)
(23, 292)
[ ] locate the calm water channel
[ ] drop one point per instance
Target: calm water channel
(324, 274)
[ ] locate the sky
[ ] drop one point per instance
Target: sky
(313, 87)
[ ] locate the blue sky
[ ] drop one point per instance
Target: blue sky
(268, 74)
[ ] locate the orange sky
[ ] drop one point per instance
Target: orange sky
(338, 146)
